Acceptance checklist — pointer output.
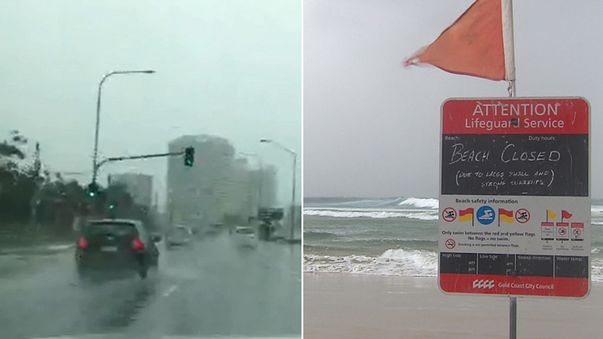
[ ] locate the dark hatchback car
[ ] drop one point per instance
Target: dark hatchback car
(116, 245)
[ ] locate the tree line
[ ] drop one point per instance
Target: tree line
(34, 199)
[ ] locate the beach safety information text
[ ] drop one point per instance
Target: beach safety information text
(514, 197)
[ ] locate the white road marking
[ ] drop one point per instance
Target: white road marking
(170, 290)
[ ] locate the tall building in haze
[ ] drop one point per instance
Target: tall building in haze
(219, 187)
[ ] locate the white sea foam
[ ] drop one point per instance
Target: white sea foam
(597, 270)
(366, 203)
(421, 203)
(401, 262)
(374, 214)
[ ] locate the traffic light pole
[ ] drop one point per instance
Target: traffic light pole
(95, 164)
(133, 157)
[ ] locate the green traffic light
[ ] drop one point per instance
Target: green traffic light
(189, 156)
(92, 189)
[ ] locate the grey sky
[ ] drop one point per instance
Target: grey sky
(228, 68)
(371, 127)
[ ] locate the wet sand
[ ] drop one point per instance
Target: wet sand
(339, 305)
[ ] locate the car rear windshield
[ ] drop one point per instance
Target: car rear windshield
(115, 228)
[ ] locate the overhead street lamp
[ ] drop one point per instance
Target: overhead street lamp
(292, 152)
(98, 107)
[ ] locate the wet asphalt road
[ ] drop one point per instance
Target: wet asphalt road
(213, 287)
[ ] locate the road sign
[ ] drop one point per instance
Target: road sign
(517, 172)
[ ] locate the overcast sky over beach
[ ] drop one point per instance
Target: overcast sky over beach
(231, 69)
(371, 126)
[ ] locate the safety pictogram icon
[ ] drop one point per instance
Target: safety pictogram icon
(449, 214)
(577, 232)
(522, 215)
(450, 244)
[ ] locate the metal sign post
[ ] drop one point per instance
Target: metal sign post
(512, 299)
(513, 317)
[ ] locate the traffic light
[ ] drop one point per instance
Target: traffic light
(189, 156)
(92, 189)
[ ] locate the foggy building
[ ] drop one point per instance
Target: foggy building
(139, 186)
(218, 188)
(192, 191)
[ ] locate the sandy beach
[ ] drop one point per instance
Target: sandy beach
(343, 305)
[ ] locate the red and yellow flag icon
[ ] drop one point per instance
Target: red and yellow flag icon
(466, 215)
(505, 216)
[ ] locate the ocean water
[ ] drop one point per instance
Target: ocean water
(390, 236)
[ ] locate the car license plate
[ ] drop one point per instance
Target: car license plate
(109, 248)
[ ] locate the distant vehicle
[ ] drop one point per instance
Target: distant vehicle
(116, 244)
(216, 228)
(179, 235)
(245, 236)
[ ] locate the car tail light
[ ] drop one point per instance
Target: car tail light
(137, 245)
(82, 243)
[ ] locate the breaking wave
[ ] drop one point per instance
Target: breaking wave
(345, 213)
(421, 203)
(414, 263)
(597, 270)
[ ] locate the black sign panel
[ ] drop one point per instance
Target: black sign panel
(534, 265)
(571, 266)
(498, 264)
(462, 263)
(514, 265)
(540, 165)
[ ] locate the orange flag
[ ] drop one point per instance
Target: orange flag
(478, 43)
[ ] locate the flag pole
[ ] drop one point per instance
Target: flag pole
(509, 50)
(509, 44)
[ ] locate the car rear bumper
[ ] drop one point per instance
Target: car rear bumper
(109, 261)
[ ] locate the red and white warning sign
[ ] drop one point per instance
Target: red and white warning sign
(516, 173)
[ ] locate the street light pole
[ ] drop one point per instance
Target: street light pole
(98, 107)
(292, 152)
